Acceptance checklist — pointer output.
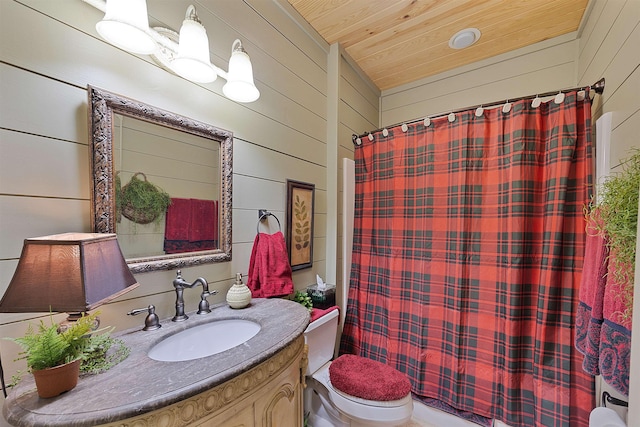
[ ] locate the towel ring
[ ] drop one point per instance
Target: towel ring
(263, 215)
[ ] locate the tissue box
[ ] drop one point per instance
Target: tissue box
(322, 298)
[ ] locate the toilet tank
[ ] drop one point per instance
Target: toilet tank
(320, 337)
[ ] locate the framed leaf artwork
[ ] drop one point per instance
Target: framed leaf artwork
(300, 201)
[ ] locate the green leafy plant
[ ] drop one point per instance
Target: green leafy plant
(45, 347)
(101, 353)
(616, 217)
(303, 298)
(142, 201)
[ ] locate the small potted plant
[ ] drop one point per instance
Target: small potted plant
(303, 298)
(54, 357)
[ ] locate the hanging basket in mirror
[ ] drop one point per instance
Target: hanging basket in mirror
(143, 202)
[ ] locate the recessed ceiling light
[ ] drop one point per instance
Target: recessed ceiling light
(464, 38)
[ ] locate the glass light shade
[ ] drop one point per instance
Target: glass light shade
(192, 61)
(240, 86)
(71, 272)
(126, 25)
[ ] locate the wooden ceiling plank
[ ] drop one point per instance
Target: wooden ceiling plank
(394, 16)
(423, 28)
(344, 13)
(493, 13)
(311, 10)
(494, 29)
(409, 38)
(434, 62)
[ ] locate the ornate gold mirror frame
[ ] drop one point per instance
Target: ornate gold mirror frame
(103, 106)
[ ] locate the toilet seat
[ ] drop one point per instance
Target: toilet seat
(352, 374)
(390, 411)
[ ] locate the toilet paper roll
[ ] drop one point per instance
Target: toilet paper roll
(605, 417)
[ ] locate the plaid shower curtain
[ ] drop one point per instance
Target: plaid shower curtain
(468, 248)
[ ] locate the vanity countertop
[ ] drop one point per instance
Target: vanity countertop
(139, 384)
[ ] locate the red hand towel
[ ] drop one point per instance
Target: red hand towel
(269, 268)
(178, 219)
(203, 220)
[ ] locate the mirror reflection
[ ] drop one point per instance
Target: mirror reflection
(183, 166)
(144, 158)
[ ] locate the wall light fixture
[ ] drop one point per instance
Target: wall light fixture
(126, 26)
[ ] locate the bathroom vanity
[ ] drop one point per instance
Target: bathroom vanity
(256, 383)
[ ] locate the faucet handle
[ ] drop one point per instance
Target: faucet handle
(152, 321)
(203, 307)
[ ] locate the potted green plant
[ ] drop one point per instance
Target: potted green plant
(54, 356)
(303, 298)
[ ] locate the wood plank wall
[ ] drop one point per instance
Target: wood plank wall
(50, 52)
(608, 47)
(545, 66)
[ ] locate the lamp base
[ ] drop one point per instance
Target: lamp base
(74, 317)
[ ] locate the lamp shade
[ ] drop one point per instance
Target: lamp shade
(192, 61)
(71, 272)
(240, 86)
(126, 25)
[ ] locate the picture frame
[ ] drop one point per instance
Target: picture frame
(300, 222)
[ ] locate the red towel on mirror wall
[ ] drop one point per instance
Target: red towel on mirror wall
(191, 225)
(603, 334)
(269, 268)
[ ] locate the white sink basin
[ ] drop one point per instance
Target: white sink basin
(204, 340)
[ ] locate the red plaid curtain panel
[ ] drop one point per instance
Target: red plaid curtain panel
(468, 250)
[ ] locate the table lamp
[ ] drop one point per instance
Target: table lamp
(70, 272)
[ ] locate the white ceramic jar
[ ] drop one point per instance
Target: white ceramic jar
(239, 295)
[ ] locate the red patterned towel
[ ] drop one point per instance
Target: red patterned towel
(191, 225)
(178, 219)
(269, 268)
(603, 335)
(204, 220)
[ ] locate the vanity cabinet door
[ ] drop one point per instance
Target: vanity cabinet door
(281, 403)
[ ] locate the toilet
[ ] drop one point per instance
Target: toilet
(327, 406)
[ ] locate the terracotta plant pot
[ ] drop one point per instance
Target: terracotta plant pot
(52, 382)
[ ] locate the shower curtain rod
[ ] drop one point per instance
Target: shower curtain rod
(597, 87)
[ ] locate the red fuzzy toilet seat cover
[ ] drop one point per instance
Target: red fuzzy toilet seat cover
(368, 379)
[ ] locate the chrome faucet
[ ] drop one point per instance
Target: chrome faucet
(180, 284)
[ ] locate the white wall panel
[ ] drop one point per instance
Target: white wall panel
(63, 163)
(614, 51)
(608, 48)
(34, 104)
(546, 66)
(24, 217)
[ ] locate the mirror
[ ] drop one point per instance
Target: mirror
(189, 160)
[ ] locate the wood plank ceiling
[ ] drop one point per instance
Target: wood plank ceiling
(401, 41)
